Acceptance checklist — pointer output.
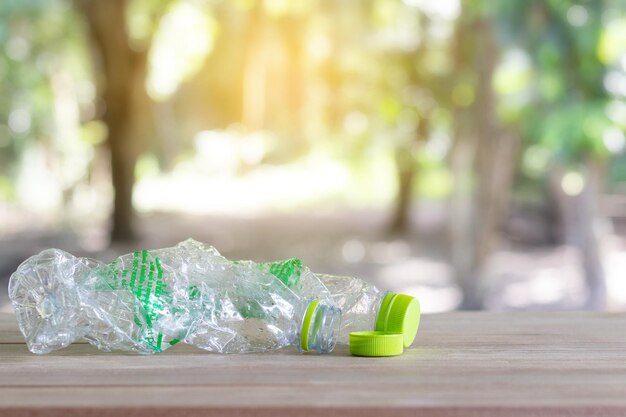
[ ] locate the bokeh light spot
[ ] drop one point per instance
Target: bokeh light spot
(614, 140)
(353, 251)
(577, 15)
(573, 183)
(17, 48)
(19, 121)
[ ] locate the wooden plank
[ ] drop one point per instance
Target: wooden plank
(245, 411)
(9, 332)
(539, 364)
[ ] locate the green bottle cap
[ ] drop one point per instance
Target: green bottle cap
(306, 325)
(399, 313)
(376, 344)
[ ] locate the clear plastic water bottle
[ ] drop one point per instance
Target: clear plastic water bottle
(148, 301)
(364, 307)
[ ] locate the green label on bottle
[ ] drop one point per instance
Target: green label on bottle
(145, 281)
(289, 271)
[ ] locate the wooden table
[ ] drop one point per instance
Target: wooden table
(462, 364)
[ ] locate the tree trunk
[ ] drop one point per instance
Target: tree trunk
(461, 212)
(579, 220)
(122, 177)
(121, 75)
(407, 168)
(483, 166)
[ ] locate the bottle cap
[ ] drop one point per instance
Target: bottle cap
(306, 325)
(376, 344)
(399, 313)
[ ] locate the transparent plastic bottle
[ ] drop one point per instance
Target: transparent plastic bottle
(364, 307)
(148, 301)
(296, 276)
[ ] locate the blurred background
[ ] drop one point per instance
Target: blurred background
(467, 152)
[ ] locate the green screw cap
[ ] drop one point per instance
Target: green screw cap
(376, 344)
(306, 325)
(399, 313)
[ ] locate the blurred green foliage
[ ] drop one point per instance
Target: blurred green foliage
(356, 80)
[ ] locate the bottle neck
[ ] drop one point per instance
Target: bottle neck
(383, 310)
(320, 328)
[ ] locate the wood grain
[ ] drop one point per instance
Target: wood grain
(461, 364)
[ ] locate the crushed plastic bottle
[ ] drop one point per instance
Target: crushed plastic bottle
(148, 301)
(363, 306)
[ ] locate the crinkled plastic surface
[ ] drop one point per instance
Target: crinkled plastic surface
(358, 300)
(148, 301)
(297, 277)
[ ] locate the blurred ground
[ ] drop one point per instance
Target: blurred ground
(350, 243)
